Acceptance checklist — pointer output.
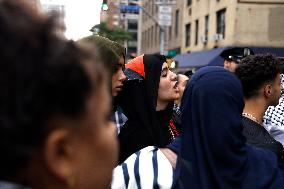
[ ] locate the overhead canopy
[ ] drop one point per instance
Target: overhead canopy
(212, 58)
(279, 52)
(200, 58)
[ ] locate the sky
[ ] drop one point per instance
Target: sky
(80, 16)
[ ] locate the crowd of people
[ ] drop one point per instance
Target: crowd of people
(78, 114)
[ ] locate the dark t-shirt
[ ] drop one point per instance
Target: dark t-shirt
(258, 136)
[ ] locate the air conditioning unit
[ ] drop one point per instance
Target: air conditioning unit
(218, 36)
(203, 39)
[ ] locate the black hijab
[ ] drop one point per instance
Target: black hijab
(213, 151)
(138, 100)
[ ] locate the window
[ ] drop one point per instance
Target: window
(134, 36)
(148, 37)
(177, 23)
(132, 25)
(170, 33)
(158, 34)
(157, 9)
(143, 39)
(196, 32)
(155, 34)
(187, 35)
(221, 22)
(152, 36)
(189, 2)
(206, 29)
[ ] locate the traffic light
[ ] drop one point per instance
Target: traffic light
(104, 5)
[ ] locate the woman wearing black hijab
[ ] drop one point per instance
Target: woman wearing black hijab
(147, 101)
(213, 152)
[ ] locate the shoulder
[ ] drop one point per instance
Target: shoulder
(146, 168)
(9, 185)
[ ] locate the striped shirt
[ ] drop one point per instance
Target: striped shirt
(145, 169)
(119, 119)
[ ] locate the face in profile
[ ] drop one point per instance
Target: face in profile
(182, 81)
(230, 65)
(168, 89)
(97, 145)
(276, 90)
(118, 77)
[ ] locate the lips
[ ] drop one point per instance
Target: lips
(119, 87)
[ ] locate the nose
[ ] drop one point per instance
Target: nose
(173, 76)
(122, 76)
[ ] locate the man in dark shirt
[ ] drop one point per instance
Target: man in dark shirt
(261, 83)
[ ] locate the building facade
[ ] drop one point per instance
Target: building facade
(122, 14)
(112, 15)
(210, 24)
(150, 32)
(59, 7)
(199, 25)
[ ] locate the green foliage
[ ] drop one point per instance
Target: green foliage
(115, 34)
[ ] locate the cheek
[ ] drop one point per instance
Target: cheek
(100, 159)
(165, 84)
(114, 79)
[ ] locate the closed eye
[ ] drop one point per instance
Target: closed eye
(164, 72)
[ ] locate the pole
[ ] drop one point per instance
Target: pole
(162, 40)
(126, 27)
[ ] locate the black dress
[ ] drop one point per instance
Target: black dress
(258, 136)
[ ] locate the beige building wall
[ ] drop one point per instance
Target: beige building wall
(260, 25)
(149, 34)
(198, 11)
(256, 23)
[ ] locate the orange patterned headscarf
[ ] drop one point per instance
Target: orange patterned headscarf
(137, 65)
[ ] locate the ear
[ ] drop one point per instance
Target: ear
(268, 90)
(58, 151)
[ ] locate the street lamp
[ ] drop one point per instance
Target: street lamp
(104, 5)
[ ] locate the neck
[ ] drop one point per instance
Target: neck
(161, 105)
(256, 108)
(178, 102)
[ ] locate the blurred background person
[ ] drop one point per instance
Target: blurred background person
(112, 54)
(233, 56)
(52, 96)
(182, 82)
(273, 119)
(213, 150)
(261, 83)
